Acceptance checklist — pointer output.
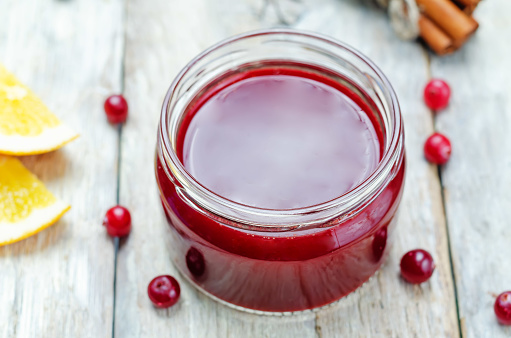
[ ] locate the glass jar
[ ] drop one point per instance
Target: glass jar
(277, 261)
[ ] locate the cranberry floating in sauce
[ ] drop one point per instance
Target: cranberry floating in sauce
(379, 243)
(195, 262)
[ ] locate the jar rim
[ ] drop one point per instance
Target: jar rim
(282, 219)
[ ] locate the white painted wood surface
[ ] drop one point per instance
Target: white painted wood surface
(477, 180)
(161, 38)
(59, 282)
(388, 306)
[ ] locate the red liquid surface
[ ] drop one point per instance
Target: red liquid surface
(280, 138)
(280, 142)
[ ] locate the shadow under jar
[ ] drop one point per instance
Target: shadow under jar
(280, 166)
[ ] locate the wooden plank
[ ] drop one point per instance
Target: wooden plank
(162, 36)
(478, 177)
(59, 283)
(387, 306)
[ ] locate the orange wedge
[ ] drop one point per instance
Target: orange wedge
(26, 206)
(27, 126)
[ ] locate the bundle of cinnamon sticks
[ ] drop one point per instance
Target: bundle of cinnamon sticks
(445, 25)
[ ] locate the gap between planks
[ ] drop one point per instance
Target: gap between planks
(270, 6)
(427, 56)
(119, 159)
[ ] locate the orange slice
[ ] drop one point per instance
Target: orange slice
(26, 206)
(27, 126)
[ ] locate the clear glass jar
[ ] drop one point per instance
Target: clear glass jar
(280, 260)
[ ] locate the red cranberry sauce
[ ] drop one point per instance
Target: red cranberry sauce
(280, 142)
(280, 138)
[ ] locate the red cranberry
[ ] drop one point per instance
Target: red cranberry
(164, 291)
(117, 221)
(195, 262)
(502, 308)
(437, 94)
(116, 109)
(437, 149)
(379, 243)
(417, 266)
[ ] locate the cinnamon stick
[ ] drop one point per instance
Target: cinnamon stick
(467, 2)
(467, 6)
(436, 39)
(452, 20)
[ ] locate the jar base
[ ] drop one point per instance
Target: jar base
(304, 313)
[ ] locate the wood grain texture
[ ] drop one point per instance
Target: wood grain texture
(161, 38)
(477, 179)
(387, 306)
(59, 282)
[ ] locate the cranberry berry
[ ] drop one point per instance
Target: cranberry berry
(379, 243)
(117, 221)
(164, 291)
(195, 262)
(437, 149)
(437, 94)
(116, 109)
(417, 266)
(502, 308)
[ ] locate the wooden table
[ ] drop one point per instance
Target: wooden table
(60, 283)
